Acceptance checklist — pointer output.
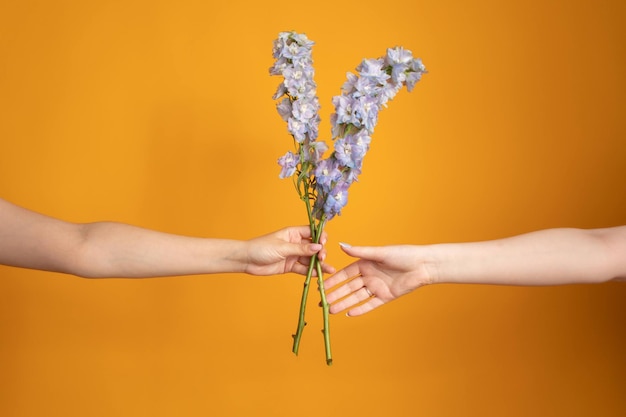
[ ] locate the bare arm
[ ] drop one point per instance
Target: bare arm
(109, 249)
(547, 257)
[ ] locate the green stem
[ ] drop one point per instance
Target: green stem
(305, 292)
(302, 185)
(307, 281)
(315, 263)
(325, 311)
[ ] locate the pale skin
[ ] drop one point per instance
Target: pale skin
(546, 257)
(116, 250)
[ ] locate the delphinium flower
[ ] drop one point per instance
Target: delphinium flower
(323, 184)
(299, 107)
(356, 114)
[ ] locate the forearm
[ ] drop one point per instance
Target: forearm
(548, 257)
(118, 250)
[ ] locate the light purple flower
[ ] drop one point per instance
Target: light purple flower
(279, 66)
(351, 150)
(374, 69)
(280, 91)
(313, 151)
(398, 55)
(399, 59)
(367, 87)
(293, 61)
(284, 108)
(313, 127)
(343, 152)
(415, 74)
(360, 111)
(299, 81)
(288, 162)
(305, 110)
(336, 200)
(326, 173)
(344, 110)
(352, 175)
(303, 122)
(349, 87)
(338, 129)
(297, 129)
(388, 92)
(292, 45)
(366, 112)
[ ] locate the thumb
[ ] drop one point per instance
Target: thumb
(370, 253)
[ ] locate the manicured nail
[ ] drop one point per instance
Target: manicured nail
(345, 245)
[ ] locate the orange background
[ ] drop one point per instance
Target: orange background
(159, 114)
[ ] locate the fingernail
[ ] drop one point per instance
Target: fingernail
(345, 245)
(348, 314)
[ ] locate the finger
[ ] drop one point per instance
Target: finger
(328, 269)
(342, 275)
(312, 248)
(300, 249)
(366, 307)
(303, 231)
(321, 255)
(301, 269)
(347, 288)
(321, 252)
(323, 238)
(372, 253)
(306, 259)
(356, 297)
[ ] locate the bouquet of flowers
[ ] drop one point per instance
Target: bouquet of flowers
(323, 183)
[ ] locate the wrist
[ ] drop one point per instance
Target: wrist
(227, 256)
(433, 264)
(241, 256)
